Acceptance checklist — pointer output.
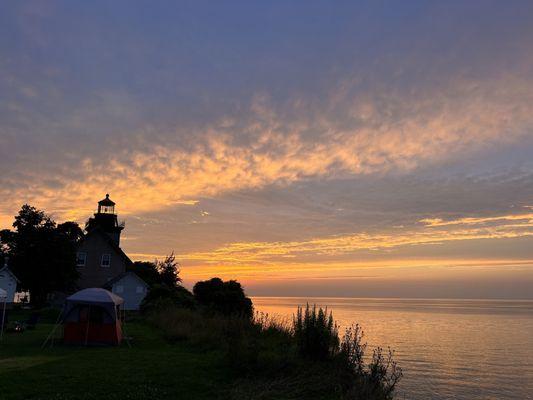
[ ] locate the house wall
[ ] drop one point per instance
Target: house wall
(93, 274)
(9, 284)
(127, 288)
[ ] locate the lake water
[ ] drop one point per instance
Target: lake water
(448, 349)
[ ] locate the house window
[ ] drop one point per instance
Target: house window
(106, 260)
(119, 289)
(81, 259)
(139, 289)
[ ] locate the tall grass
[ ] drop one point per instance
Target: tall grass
(315, 332)
(178, 324)
(302, 358)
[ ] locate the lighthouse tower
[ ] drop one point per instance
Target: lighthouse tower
(106, 220)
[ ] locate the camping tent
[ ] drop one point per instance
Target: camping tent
(92, 316)
(3, 301)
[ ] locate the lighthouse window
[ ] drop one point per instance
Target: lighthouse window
(106, 260)
(81, 259)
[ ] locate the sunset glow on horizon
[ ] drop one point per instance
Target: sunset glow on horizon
(355, 150)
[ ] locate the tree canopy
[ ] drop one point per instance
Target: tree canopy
(164, 272)
(227, 297)
(42, 254)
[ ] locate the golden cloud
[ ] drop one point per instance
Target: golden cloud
(431, 234)
(390, 269)
(370, 134)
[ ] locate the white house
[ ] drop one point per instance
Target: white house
(8, 282)
(130, 287)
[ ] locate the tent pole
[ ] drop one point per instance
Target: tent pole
(50, 336)
(87, 329)
(3, 319)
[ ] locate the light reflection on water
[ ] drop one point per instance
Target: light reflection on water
(448, 349)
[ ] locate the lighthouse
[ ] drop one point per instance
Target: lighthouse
(106, 220)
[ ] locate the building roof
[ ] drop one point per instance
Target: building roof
(107, 201)
(110, 241)
(95, 296)
(118, 278)
(6, 269)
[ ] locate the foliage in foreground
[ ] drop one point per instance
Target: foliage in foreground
(273, 360)
(377, 378)
(315, 332)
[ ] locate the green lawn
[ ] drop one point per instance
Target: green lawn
(150, 369)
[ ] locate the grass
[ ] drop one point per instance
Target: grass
(188, 354)
(261, 359)
(151, 368)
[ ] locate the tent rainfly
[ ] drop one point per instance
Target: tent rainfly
(92, 316)
(3, 301)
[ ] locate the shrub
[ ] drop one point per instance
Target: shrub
(352, 350)
(227, 298)
(375, 380)
(316, 333)
(162, 297)
(384, 372)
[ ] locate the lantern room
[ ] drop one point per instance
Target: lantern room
(106, 206)
(106, 219)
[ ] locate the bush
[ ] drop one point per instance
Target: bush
(352, 350)
(375, 380)
(316, 336)
(226, 298)
(162, 297)
(316, 333)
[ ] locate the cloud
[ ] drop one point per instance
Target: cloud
(478, 221)
(376, 133)
(425, 269)
(293, 145)
(433, 233)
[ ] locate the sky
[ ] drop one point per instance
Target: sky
(304, 148)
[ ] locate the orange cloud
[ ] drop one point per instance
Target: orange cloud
(373, 133)
(390, 269)
(476, 221)
(273, 252)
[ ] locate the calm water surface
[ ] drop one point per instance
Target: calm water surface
(448, 349)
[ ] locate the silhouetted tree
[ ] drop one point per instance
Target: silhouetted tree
(164, 272)
(70, 231)
(227, 297)
(147, 271)
(161, 296)
(169, 270)
(42, 255)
